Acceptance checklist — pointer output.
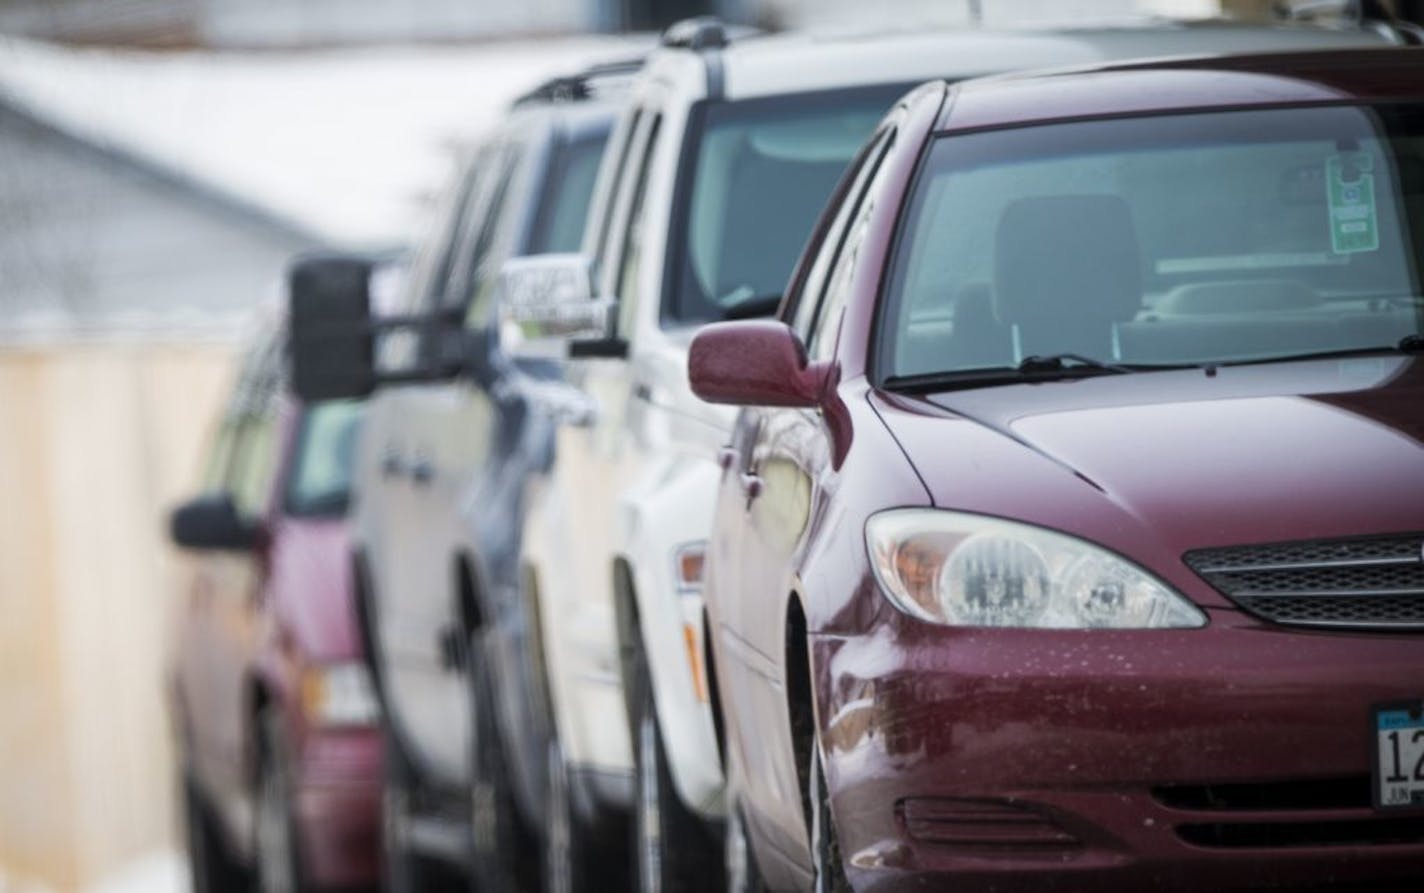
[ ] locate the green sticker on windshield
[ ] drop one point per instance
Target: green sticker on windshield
(1354, 225)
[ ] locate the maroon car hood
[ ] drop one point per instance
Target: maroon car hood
(310, 587)
(1156, 464)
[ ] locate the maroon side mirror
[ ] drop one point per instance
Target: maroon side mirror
(754, 363)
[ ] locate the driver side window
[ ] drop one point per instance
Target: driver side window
(628, 296)
(826, 320)
(808, 288)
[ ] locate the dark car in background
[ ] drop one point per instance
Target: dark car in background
(454, 426)
(1074, 535)
(276, 720)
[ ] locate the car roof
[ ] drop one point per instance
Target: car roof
(573, 119)
(805, 61)
(1182, 84)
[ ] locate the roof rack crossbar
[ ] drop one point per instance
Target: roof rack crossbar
(579, 86)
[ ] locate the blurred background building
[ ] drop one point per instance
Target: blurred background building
(159, 162)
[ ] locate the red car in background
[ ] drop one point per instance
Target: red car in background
(1073, 538)
(275, 716)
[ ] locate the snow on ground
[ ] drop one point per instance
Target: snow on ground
(344, 144)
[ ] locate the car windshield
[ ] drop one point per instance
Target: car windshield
(1187, 239)
(320, 481)
(760, 172)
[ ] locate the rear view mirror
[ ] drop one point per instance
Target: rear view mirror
(547, 300)
(332, 339)
(212, 522)
(754, 363)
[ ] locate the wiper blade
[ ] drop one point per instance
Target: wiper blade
(1407, 344)
(1059, 363)
(1025, 373)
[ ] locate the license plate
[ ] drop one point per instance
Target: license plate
(1399, 755)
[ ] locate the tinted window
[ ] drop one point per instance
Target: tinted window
(559, 227)
(760, 171)
(320, 479)
(252, 427)
(1193, 238)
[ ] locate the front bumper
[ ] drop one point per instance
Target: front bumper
(338, 807)
(1232, 757)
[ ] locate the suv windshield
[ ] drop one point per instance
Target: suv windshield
(1186, 239)
(320, 481)
(760, 172)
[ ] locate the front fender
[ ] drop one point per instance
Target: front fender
(670, 510)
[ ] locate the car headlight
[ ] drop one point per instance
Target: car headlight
(339, 695)
(972, 570)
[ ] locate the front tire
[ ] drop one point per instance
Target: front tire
(210, 861)
(574, 861)
(739, 862)
(825, 847)
(505, 856)
(278, 863)
(672, 848)
(405, 871)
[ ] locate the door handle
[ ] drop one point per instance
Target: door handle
(726, 456)
(450, 644)
(392, 466)
(751, 485)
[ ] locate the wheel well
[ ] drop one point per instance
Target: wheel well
(625, 606)
(258, 698)
(467, 601)
(365, 630)
(534, 608)
(714, 694)
(799, 710)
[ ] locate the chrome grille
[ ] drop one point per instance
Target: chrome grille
(1363, 583)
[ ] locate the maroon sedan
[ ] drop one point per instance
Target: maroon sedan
(1074, 538)
(281, 757)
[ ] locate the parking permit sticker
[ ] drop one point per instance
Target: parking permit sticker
(1354, 224)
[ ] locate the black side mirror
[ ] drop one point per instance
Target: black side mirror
(332, 337)
(212, 522)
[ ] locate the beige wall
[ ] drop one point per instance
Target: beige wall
(96, 442)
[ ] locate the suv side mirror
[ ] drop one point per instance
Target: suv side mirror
(545, 301)
(754, 363)
(212, 522)
(332, 339)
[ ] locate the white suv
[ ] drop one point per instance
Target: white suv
(712, 182)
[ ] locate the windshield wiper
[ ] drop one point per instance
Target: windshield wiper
(1407, 344)
(1031, 369)
(1059, 363)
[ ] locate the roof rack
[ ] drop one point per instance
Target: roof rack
(696, 34)
(584, 85)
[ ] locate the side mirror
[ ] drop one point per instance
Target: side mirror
(545, 301)
(332, 340)
(212, 522)
(754, 363)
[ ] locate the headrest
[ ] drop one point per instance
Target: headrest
(1066, 257)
